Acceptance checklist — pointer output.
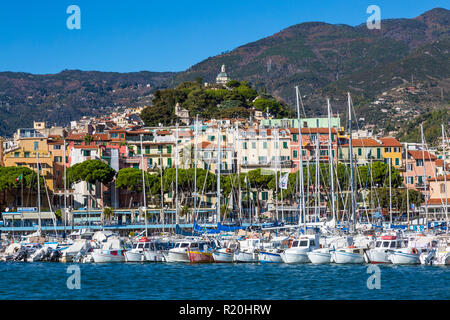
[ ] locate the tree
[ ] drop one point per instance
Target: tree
(258, 181)
(91, 172)
(12, 178)
(131, 180)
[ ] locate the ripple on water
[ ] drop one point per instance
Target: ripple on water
(221, 281)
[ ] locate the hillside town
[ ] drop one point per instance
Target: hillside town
(261, 143)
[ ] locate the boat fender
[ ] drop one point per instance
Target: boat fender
(414, 251)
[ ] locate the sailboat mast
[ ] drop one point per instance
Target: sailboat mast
(424, 175)
(300, 167)
(176, 176)
(36, 148)
(330, 159)
(195, 163)
(407, 189)
(350, 150)
(239, 171)
(143, 187)
(390, 191)
(445, 174)
(218, 174)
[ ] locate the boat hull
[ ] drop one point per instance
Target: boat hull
(200, 257)
(245, 257)
(319, 257)
(404, 258)
(340, 257)
(101, 257)
(378, 256)
(269, 257)
(153, 256)
(134, 256)
(222, 257)
(177, 257)
(294, 257)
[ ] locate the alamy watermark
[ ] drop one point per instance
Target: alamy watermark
(74, 20)
(374, 21)
(374, 281)
(74, 280)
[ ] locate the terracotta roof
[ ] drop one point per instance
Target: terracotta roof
(438, 201)
(390, 142)
(162, 132)
(87, 147)
(76, 136)
(361, 143)
(419, 154)
(313, 130)
(101, 136)
(440, 178)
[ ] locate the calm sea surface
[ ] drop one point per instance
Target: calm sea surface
(46, 280)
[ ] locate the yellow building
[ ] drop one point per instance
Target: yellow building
(50, 150)
(392, 149)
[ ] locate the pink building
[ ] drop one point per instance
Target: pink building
(309, 136)
(418, 173)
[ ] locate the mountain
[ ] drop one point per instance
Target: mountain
(314, 55)
(322, 59)
(70, 94)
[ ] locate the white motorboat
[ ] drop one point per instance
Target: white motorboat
(225, 254)
(179, 252)
(248, 251)
(383, 246)
(75, 251)
(271, 252)
(136, 254)
(350, 254)
(405, 256)
(298, 251)
(319, 256)
(111, 251)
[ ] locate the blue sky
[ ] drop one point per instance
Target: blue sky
(127, 36)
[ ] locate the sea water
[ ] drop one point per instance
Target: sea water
(164, 281)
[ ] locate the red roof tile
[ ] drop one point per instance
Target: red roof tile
(419, 154)
(390, 142)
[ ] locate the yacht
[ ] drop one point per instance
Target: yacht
(224, 254)
(179, 252)
(136, 254)
(349, 254)
(200, 252)
(384, 245)
(248, 250)
(111, 251)
(298, 251)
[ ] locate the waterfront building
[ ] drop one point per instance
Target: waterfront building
(392, 151)
(418, 172)
(364, 151)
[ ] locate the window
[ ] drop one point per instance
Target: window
(57, 147)
(410, 180)
(294, 137)
(57, 159)
(397, 161)
(409, 166)
(87, 153)
(136, 165)
(114, 135)
(138, 150)
(253, 145)
(211, 138)
(262, 159)
(244, 145)
(27, 154)
(169, 162)
(295, 154)
(16, 154)
(442, 188)
(378, 153)
(147, 149)
(285, 145)
(419, 162)
(387, 150)
(265, 195)
(276, 145)
(397, 149)
(420, 179)
(224, 138)
(169, 149)
(121, 136)
(150, 162)
(265, 145)
(160, 148)
(359, 151)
